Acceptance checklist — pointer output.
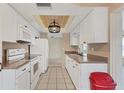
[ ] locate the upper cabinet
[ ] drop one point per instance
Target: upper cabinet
(94, 28)
(9, 26)
(100, 25)
(74, 36)
(14, 27)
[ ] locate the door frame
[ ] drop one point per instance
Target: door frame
(116, 48)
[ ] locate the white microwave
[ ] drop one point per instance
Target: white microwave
(24, 34)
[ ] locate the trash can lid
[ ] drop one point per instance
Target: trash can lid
(102, 78)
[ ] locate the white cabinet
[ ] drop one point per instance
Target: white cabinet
(100, 25)
(94, 28)
(74, 36)
(24, 34)
(23, 81)
(9, 26)
(17, 79)
(80, 72)
(73, 69)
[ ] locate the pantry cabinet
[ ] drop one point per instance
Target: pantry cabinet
(9, 25)
(94, 28)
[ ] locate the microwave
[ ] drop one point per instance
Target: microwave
(24, 34)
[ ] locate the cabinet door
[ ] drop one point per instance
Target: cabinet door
(23, 81)
(74, 36)
(100, 25)
(83, 31)
(77, 75)
(9, 24)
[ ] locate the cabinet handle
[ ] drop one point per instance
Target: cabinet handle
(76, 64)
(25, 26)
(24, 69)
(73, 66)
(0, 66)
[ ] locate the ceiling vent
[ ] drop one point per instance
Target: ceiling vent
(43, 5)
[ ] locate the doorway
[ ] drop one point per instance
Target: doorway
(56, 53)
(116, 47)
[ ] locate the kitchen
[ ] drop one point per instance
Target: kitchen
(34, 57)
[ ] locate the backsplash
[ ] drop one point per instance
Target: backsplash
(99, 47)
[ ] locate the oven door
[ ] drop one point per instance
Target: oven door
(34, 69)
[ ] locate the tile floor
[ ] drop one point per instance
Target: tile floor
(56, 78)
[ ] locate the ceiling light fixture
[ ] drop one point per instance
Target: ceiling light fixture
(54, 27)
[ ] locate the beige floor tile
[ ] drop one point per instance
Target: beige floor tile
(68, 80)
(52, 82)
(51, 87)
(66, 76)
(60, 81)
(43, 81)
(42, 87)
(60, 77)
(44, 77)
(53, 73)
(52, 78)
(65, 73)
(55, 78)
(61, 86)
(70, 86)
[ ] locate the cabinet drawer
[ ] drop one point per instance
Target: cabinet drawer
(21, 70)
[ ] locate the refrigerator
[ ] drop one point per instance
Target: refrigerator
(41, 48)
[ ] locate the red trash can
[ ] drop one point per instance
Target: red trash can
(101, 81)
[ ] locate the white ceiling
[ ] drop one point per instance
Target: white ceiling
(27, 10)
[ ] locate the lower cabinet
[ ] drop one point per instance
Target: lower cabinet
(23, 81)
(16, 79)
(80, 72)
(73, 69)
